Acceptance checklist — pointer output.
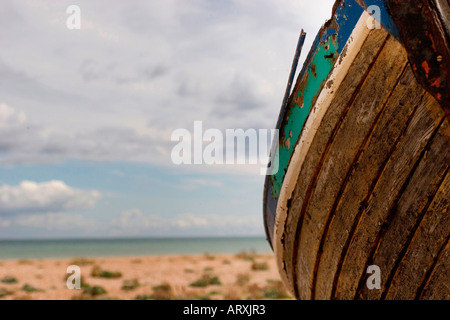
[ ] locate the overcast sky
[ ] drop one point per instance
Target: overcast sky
(86, 115)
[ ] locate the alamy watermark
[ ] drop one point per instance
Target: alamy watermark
(73, 21)
(374, 21)
(234, 146)
(374, 280)
(74, 280)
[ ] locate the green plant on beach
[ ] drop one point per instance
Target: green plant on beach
(209, 256)
(162, 292)
(242, 279)
(246, 256)
(260, 266)
(130, 284)
(206, 280)
(275, 290)
(99, 273)
(9, 280)
(79, 261)
(28, 288)
(93, 290)
(5, 292)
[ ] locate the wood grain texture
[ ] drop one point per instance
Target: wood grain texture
(386, 194)
(405, 219)
(373, 188)
(438, 284)
(429, 239)
(336, 112)
(357, 73)
(352, 135)
(365, 173)
(356, 127)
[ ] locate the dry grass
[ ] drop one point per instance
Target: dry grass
(82, 262)
(260, 266)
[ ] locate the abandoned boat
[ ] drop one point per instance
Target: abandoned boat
(359, 205)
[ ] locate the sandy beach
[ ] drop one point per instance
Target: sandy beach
(206, 276)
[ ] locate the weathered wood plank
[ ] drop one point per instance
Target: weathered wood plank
(385, 196)
(438, 284)
(406, 216)
(332, 119)
(362, 179)
(356, 127)
(430, 237)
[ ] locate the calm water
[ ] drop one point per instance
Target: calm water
(29, 249)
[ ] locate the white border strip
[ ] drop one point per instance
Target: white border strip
(353, 46)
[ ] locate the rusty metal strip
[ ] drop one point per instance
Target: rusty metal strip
(423, 31)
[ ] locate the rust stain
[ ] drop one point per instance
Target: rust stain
(426, 67)
(313, 70)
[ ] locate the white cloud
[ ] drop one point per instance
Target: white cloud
(22, 142)
(5, 223)
(50, 196)
(171, 62)
(135, 222)
(185, 221)
(56, 221)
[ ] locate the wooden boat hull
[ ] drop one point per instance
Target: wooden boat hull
(363, 179)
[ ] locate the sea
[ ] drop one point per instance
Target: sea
(68, 248)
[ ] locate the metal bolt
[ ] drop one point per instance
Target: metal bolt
(439, 58)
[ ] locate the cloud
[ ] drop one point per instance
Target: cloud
(5, 223)
(171, 62)
(236, 99)
(133, 221)
(23, 142)
(56, 221)
(50, 196)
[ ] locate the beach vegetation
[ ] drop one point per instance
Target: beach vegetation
(136, 261)
(130, 284)
(209, 256)
(189, 270)
(29, 288)
(5, 292)
(248, 256)
(100, 273)
(242, 279)
(93, 290)
(79, 261)
(163, 291)
(23, 297)
(206, 280)
(275, 290)
(260, 266)
(9, 280)
(24, 262)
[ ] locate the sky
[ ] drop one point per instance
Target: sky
(86, 115)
